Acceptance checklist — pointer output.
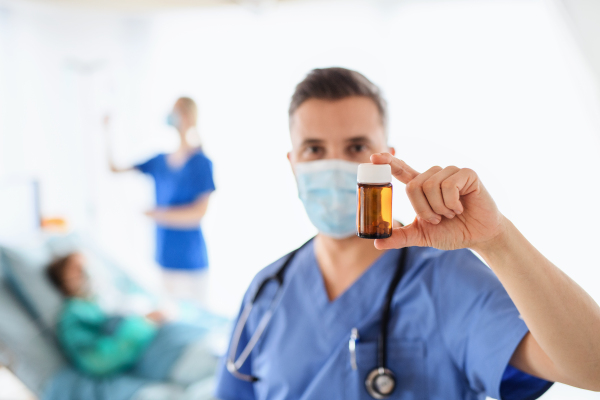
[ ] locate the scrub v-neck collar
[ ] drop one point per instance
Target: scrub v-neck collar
(181, 167)
(360, 300)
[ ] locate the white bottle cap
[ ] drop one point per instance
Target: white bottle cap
(374, 173)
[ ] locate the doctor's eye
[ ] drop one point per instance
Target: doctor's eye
(357, 148)
(314, 151)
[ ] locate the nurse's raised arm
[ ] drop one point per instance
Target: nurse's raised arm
(454, 210)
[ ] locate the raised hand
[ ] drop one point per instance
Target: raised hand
(454, 210)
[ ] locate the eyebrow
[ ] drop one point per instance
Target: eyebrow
(356, 139)
(312, 142)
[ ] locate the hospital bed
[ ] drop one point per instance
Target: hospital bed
(29, 306)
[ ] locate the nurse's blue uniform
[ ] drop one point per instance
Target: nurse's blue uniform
(452, 332)
(180, 249)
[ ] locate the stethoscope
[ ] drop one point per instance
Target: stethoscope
(380, 382)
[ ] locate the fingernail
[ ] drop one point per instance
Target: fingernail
(457, 212)
(449, 216)
(434, 221)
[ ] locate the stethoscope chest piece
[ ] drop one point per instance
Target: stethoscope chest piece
(380, 383)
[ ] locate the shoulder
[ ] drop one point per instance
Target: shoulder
(200, 159)
(199, 164)
(150, 163)
(449, 267)
(157, 158)
(263, 275)
(274, 267)
(454, 280)
(78, 309)
(76, 305)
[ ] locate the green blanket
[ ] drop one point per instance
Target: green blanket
(99, 345)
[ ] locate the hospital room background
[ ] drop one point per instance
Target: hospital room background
(510, 88)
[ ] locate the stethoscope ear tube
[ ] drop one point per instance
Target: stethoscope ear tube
(233, 365)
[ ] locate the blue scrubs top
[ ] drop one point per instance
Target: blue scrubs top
(452, 332)
(180, 249)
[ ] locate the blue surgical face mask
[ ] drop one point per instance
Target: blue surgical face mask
(327, 189)
(173, 119)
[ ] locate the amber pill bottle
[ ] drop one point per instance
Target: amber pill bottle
(374, 214)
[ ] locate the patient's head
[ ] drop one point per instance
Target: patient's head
(68, 275)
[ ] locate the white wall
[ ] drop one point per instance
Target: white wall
(583, 18)
(497, 86)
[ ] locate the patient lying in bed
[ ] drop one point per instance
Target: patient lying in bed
(101, 345)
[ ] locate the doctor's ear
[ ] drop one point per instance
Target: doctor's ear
(289, 157)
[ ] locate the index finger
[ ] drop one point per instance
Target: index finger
(401, 170)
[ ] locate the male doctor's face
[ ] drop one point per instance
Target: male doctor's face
(323, 132)
(349, 129)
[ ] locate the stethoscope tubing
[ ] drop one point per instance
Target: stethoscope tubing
(234, 365)
(385, 314)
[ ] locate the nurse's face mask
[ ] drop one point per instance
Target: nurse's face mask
(174, 119)
(327, 189)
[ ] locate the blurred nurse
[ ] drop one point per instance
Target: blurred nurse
(184, 182)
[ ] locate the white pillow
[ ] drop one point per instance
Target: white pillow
(112, 288)
(24, 269)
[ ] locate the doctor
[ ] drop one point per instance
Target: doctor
(414, 316)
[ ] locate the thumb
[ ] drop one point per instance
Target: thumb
(405, 236)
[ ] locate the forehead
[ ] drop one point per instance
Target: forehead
(179, 104)
(335, 119)
(75, 260)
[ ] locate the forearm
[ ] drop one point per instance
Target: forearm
(561, 316)
(187, 216)
(116, 169)
(176, 217)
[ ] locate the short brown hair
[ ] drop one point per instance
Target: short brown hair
(335, 84)
(56, 271)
